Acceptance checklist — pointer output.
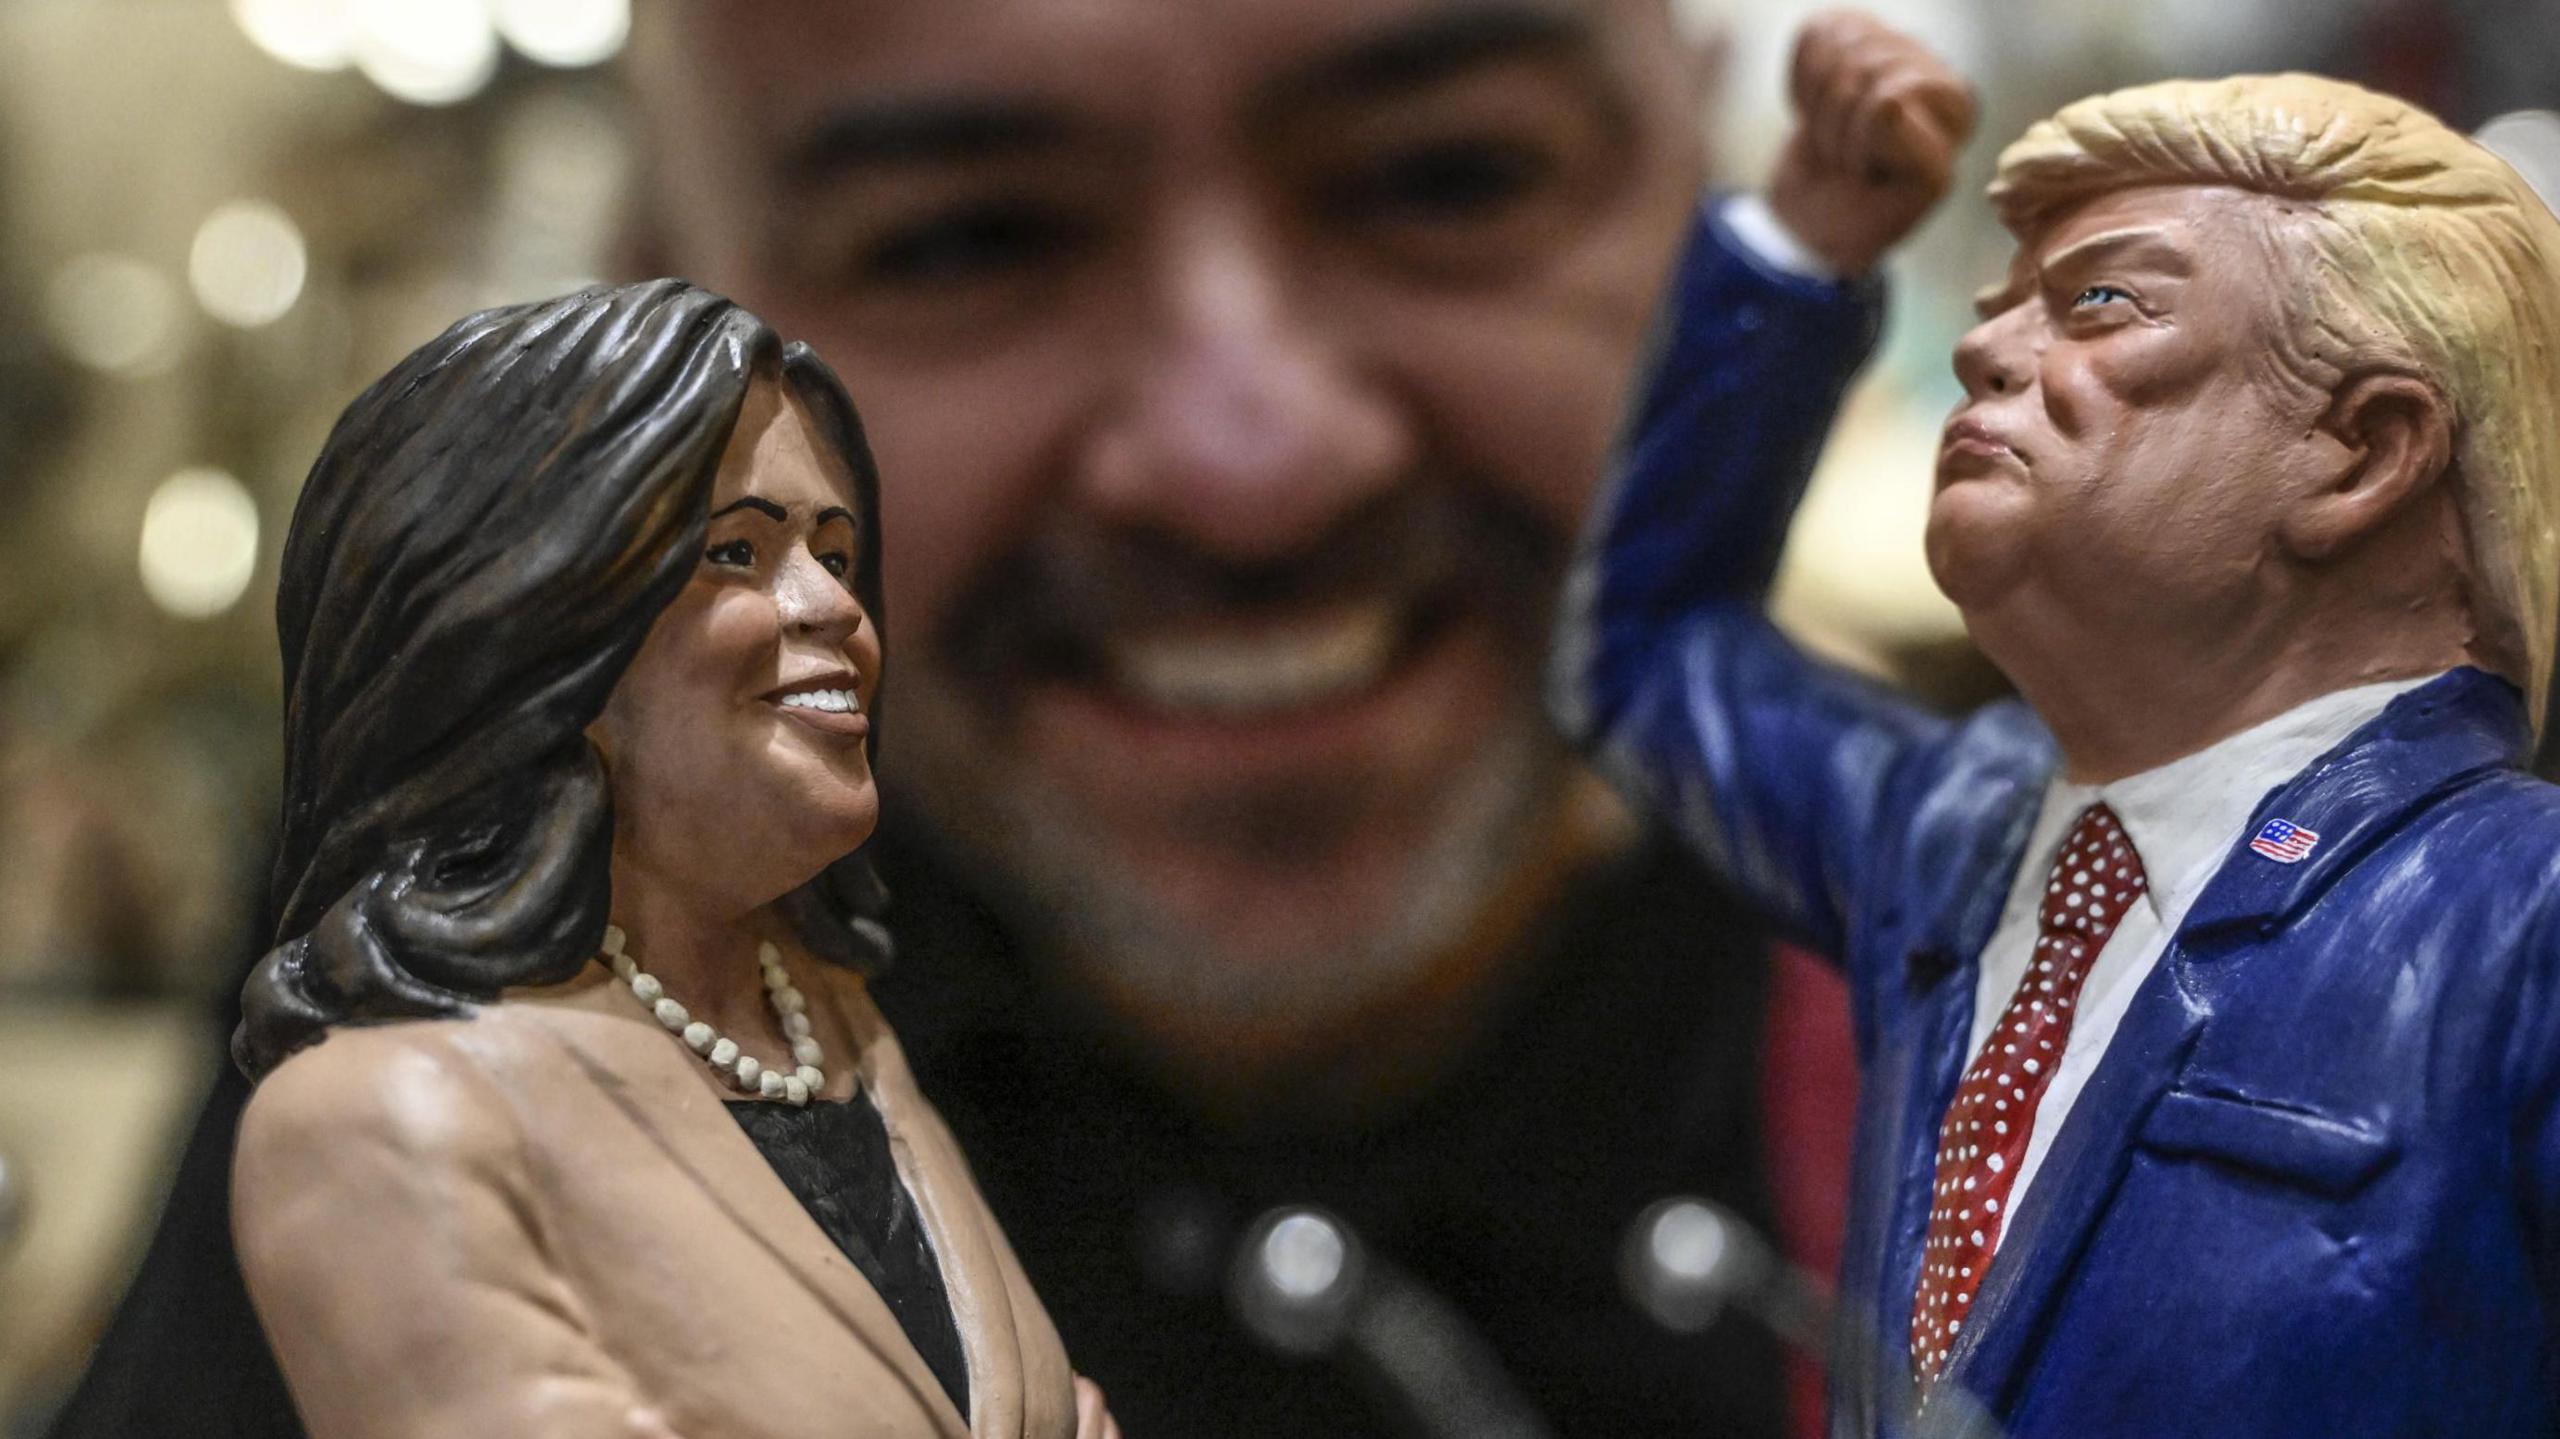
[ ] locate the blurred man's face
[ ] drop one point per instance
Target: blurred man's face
(1238, 372)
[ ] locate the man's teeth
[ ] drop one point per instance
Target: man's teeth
(831, 701)
(1265, 670)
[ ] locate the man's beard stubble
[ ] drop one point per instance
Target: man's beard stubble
(1046, 610)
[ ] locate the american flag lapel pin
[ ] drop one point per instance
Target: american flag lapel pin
(2284, 842)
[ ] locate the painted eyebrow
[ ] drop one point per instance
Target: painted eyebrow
(921, 130)
(2145, 246)
(758, 503)
(2140, 246)
(835, 512)
(1437, 45)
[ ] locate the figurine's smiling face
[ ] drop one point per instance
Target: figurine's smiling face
(738, 741)
(2128, 432)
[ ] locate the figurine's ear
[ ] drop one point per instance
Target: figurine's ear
(2389, 436)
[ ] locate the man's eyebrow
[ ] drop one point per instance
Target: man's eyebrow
(834, 512)
(1439, 43)
(758, 503)
(918, 131)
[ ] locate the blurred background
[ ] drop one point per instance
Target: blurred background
(219, 220)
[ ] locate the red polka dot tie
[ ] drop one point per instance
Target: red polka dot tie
(2094, 880)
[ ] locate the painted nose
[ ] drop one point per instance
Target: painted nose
(1243, 430)
(1990, 359)
(814, 604)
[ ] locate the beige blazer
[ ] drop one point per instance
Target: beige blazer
(539, 1221)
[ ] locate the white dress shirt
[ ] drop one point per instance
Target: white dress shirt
(1750, 220)
(2184, 817)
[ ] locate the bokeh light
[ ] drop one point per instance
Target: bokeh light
(1687, 1241)
(247, 264)
(199, 543)
(113, 313)
(1303, 1255)
(427, 52)
(566, 33)
(306, 34)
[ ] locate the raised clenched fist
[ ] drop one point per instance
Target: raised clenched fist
(1879, 120)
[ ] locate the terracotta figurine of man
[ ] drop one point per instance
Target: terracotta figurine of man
(2207, 996)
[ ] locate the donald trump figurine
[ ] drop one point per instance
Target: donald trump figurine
(2206, 997)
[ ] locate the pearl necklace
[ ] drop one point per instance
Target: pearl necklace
(742, 1071)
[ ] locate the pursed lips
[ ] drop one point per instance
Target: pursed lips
(1970, 446)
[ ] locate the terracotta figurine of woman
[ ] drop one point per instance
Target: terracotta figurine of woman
(573, 1116)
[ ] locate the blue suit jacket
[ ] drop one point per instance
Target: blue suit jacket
(2313, 1187)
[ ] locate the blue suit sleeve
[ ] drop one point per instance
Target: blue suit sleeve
(1667, 669)
(2532, 1070)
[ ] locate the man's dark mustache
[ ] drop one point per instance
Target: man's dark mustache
(1047, 605)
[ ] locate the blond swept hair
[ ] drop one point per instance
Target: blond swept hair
(2429, 256)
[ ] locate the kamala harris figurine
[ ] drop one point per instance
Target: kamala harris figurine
(573, 1117)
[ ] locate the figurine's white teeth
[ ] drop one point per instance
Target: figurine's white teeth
(1265, 670)
(829, 701)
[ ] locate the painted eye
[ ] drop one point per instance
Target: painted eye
(836, 563)
(2097, 295)
(738, 553)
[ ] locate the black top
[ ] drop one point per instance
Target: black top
(1622, 1068)
(835, 1159)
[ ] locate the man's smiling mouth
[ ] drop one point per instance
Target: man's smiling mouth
(1246, 671)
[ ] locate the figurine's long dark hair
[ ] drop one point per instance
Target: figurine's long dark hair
(487, 537)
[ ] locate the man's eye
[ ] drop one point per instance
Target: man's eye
(2097, 295)
(977, 241)
(739, 553)
(1445, 182)
(836, 563)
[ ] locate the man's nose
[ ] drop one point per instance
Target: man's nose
(1243, 426)
(1995, 356)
